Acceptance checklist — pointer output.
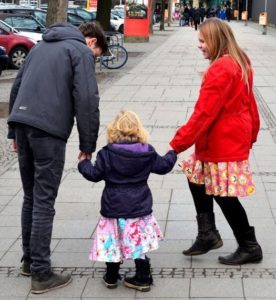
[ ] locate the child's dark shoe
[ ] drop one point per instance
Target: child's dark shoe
(112, 275)
(142, 279)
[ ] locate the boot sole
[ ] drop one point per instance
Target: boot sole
(25, 274)
(252, 261)
(217, 245)
(110, 285)
(53, 288)
(136, 287)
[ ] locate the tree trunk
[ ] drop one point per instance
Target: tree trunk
(162, 20)
(103, 13)
(169, 12)
(57, 11)
(152, 8)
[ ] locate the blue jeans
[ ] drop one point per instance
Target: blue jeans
(41, 161)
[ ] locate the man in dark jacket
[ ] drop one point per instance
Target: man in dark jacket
(41, 118)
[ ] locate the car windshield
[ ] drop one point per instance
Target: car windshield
(7, 27)
(75, 19)
(118, 13)
(84, 14)
(22, 22)
(41, 16)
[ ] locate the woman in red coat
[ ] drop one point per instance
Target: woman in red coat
(223, 127)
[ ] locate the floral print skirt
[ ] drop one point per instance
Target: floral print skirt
(224, 179)
(118, 239)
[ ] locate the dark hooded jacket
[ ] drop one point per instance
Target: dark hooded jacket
(125, 171)
(57, 83)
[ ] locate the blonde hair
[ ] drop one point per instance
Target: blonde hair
(126, 127)
(220, 41)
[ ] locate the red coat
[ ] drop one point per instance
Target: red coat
(225, 121)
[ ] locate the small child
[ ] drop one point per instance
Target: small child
(126, 229)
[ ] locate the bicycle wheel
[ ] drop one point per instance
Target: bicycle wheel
(117, 58)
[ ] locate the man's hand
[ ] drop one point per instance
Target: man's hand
(83, 156)
(14, 146)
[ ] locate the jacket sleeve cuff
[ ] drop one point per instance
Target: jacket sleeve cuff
(11, 133)
(175, 148)
(81, 165)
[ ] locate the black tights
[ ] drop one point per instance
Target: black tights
(230, 206)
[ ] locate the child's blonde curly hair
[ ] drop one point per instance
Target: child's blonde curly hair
(126, 127)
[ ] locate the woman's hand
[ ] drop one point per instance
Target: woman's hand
(169, 148)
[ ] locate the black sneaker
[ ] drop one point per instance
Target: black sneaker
(45, 282)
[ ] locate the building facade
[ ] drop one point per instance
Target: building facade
(260, 6)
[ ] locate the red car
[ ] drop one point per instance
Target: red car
(17, 46)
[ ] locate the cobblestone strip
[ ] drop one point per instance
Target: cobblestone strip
(160, 272)
(266, 113)
(75, 170)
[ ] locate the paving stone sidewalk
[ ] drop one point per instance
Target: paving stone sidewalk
(162, 88)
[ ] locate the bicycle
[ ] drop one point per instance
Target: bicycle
(117, 55)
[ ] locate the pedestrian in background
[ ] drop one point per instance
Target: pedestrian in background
(202, 13)
(41, 119)
(196, 17)
(223, 126)
(228, 13)
(127, 228)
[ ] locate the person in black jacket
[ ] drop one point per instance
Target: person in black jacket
(196, 17)
(41, 118)
(127, 228)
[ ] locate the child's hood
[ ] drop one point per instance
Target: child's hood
(131, 159)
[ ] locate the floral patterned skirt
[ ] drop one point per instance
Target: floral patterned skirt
(119, 239)
(232, 179)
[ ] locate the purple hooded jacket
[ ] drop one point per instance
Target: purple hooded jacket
(125, 168)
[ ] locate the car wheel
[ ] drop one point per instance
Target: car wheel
(17, 57)
(121, 29)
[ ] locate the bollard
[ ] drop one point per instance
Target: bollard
(263, 20)
(245, 17)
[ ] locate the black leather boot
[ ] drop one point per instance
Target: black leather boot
(249, 251)
(208, 237)
(142, 279)
(112, 275)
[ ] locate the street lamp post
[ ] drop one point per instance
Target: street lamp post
(246, 9)
(265, 26)
(238, 6)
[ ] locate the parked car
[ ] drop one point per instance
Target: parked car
(112, 24)
(23, 22)
(117, 22)
(86, 15)
(118, 12)
(39, 14)
(17, 46)
(4, 59)
(75, 19)
(32, 35)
